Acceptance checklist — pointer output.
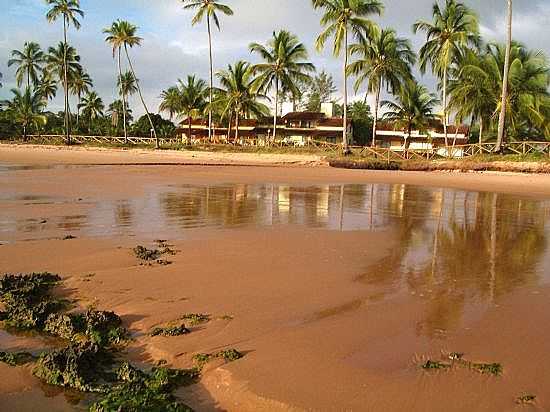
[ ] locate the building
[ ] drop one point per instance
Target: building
(294, 128)
(433, 139)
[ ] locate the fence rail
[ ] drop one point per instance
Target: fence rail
(386, 154)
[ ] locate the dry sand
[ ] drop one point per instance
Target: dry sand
(314, 337)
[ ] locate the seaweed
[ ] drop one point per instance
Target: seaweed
(435, 365)
(84, 367)
(170, 331)
(16, 358)
(487, 368)
(194, 319)
(26, 299)
(228, 355)
(526, 399)
(99, 327)
(145, 254)
(139, 391)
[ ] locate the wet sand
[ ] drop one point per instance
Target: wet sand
(327, 319)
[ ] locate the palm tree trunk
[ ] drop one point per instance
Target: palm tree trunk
(211, 78)
(375, 120)
(345, 126)
(445, 108)
(123, 92)
(236, 127)
(480, 131)
(502, 116)
(66, 82)
(139, 91)
(78, 111)
(190, 130)
(276, 109)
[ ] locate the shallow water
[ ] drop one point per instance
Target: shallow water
(457, 252)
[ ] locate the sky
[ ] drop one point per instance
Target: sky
(172, 48)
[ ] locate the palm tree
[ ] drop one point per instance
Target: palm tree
(339, 19)
(92, 107)
(63, 61)
(413, 109)
(210, 9)
(26, 109)
(452, 29)
(472, 92)
(527, 90)
(238, 95)
(114, 111)
(385, 61)
(186, 100)
(122, 34)
(70, 11)
(504, 98)
(283, 67)
(29, 61)
(47, 86)
(80, 83)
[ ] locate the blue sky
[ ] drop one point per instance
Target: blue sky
(172, 48)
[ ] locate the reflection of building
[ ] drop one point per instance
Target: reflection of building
(393, 138)
(294, 128)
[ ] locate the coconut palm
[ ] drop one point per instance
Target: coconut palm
(26, 109)
(127, 86)
(187, 100)
(29, 63)
(238, 96)
(92, 107)
(472, 92)
(339, 19)
(527, 90)
(504, 97)
(385, 61)
(80, 83)
(70, 11)
(123, 34)
(210, 10)
(47, 86)
(115, 109)
(412, 110)
(452, 29)
(283, 67)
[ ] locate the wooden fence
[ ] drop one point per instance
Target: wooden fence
(386, 154)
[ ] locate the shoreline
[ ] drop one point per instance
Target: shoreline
(273, 168)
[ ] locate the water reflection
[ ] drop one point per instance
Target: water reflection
(458, 251)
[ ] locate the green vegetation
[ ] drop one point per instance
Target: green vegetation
(178, 330)
(456, 359)
(16, 359)
(228, 355)
(150, 256)
(526, 399)
(194, 319)
(90, 362)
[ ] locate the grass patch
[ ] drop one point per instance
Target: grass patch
(456, 359)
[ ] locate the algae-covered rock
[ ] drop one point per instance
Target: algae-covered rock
(81, 367)
(26, 299)
(99, 327)
(139, 391)
(16, 358)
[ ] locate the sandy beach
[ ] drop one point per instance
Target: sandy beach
(297, 271)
